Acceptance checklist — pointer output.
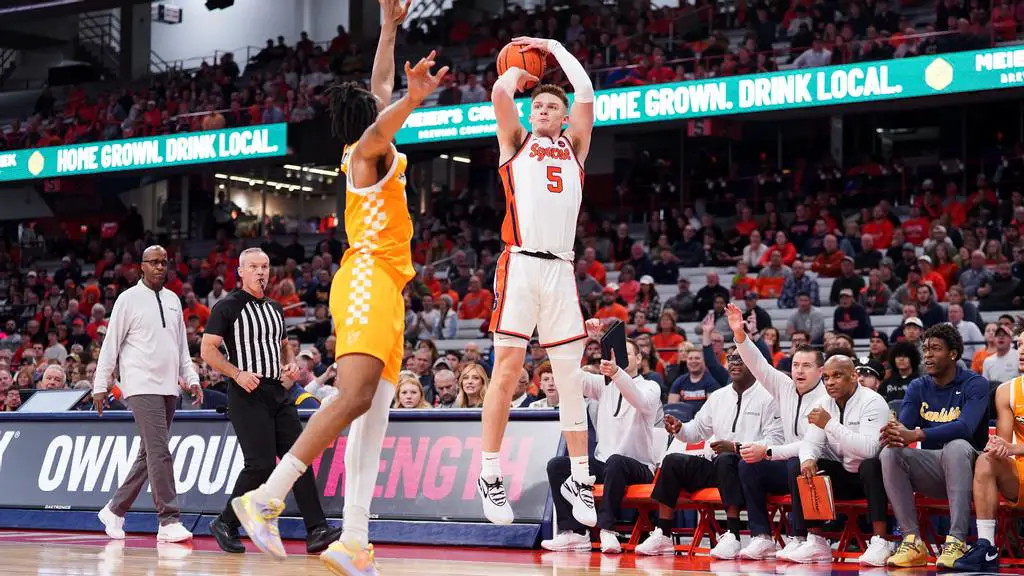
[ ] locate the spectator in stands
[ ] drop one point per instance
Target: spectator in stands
(762, 319)
(472, 386)
(870, 373)
(667, 339)
(522, 397)
(717, 466)
(694, 384)
(447, 387)
(848, 279)
(928, 309)
(1001, 366)
(974, 341)
(706, 296)
(689, 249)
(851, 318)
(446, 325)
(546, 384)
(666, 269)
(931, 277)
(627, 411)
(798, 283)
(610, 306)
(193, 307)
(587, 286)
(1001, 292)
(807, 319)
(907, 292)
(817, 56)
(869, 256)
(977, 275)
(683, 303)
(12, 401)
(950, 440)
(629, 286)
(473, 92)
(409, 394)
(476, 303)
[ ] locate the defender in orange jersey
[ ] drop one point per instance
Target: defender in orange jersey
(999, 471)
(366, 303)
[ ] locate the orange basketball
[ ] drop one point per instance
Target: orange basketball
(532, 61)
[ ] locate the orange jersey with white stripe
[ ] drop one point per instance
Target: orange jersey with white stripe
(377, 218)
(543, 192)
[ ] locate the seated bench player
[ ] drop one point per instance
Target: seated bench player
(999, 471)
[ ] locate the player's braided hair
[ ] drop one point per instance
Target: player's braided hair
(353, 109)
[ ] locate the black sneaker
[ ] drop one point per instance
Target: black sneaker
(226, 536)
(321, 537)
(982, 557)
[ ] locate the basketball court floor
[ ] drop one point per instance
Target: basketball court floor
(38, 553)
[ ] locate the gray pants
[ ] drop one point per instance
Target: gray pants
(946, 473)
(153, 416)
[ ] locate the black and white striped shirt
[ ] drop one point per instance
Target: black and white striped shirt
(252, 330)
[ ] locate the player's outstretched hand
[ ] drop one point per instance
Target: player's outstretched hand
(526, 43)
(735, 317)
(421, 83)
(593, 327)
(395, 11)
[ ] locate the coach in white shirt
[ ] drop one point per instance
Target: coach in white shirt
(764, 469)
(627, 409)
(146, 340)
(842, 443)
(731, 418)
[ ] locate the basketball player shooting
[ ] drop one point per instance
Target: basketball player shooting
(366, 304)
(535, 285)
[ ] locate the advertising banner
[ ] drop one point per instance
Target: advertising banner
(427, 471)
(146, 153)
(917, 77)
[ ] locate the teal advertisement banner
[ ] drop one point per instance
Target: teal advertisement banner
(146, 153)
(917, 77)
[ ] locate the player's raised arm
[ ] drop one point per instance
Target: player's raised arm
(376, 141)
(581, 117)
(382, 78)
(503, 93)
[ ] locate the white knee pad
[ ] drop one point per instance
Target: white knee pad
(565, 367)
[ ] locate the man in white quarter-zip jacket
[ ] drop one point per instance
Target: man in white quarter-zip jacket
(146, 341)
(764, 469)
(627, 409)
(740, 414)
(842, 442)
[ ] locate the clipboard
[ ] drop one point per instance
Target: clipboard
(614, 339)
(816, 497)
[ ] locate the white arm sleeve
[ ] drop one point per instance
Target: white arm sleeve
(574, 71)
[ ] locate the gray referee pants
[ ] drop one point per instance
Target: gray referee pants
(153, 416)
(946, 473)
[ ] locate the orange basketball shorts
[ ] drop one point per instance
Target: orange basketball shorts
(368, 313)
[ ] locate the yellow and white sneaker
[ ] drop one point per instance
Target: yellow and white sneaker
(952, 551)
(911, 554)
(346, 560)
(259, 519)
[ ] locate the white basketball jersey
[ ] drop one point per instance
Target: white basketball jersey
(543, 192)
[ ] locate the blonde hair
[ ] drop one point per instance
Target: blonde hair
(411, 381)
(461, 401)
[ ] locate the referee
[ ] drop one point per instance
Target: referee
(251, 327)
